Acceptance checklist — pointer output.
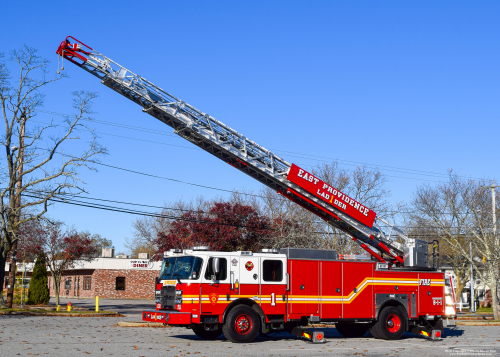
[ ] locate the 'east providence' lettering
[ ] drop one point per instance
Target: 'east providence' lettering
(330, 194)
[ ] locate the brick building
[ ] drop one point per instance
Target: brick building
(110, 278)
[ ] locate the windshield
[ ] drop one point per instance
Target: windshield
(181, 267)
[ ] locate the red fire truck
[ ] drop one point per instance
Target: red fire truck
(242, 294)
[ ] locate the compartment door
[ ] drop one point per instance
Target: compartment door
(304, 287)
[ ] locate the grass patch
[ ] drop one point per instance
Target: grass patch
(485, 309)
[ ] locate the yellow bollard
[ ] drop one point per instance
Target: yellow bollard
(58, 308)
(97, 304)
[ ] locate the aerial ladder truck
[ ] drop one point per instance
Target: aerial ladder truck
(242, 294)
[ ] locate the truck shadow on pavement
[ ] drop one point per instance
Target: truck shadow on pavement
(330, 333)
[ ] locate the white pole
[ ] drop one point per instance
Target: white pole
(494, 216)
(472, 303)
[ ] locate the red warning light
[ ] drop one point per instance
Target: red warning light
(438, 333)
(319, 336)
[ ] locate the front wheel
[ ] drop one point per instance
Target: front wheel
(391, 324)
(200, 331)
(242, 324)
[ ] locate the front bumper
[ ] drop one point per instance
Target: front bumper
(167, 317)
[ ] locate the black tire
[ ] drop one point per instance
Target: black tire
(242, 324)
(200, 331)
(391, 324)
(374, 333)
(351, 330)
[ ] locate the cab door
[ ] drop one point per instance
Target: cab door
(249, 284)
(214, 294)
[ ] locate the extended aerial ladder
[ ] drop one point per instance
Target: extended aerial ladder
(247, 156)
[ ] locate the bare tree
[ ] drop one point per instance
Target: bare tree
(365, 185)
(147, 228)
(460, 212)
(297, 227)
(35, 170)
(417, 226)
(292, 226)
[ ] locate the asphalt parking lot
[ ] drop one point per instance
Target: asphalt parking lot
(70, 336)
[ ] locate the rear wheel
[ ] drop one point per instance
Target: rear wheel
(351, 330)
(200, 331)
(391, 324)
(242, 324)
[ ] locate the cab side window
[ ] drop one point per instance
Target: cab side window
(222, 274)
(272, 270)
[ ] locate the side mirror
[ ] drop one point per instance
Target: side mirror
(216, 265)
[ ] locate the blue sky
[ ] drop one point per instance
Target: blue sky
(410, 86)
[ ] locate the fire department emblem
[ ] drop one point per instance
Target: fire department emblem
(234, 261)
(213, 298)
(249, 266)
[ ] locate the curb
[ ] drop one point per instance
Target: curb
(140, 324)
(477, 323)
(29, 313)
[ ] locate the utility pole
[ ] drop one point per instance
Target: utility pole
(472, 301)
(493, 210)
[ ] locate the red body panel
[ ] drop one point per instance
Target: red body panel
(357, 290)
(304, 288)
(331, 290)
(431, 299)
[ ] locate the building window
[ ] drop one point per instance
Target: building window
(87, 282)
(120, 283)
(67, 284)
(222, 274)
(273, 270)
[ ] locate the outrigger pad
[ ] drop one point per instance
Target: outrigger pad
(434, 335)
(314, 336)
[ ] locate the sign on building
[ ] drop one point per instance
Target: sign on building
(140, 264)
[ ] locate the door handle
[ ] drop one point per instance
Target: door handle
(231, 280)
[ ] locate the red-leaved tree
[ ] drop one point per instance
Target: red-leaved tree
(225, 227)
(61, 248)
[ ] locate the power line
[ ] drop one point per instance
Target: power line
(196, 148)
(163, 215)
(307, 156)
